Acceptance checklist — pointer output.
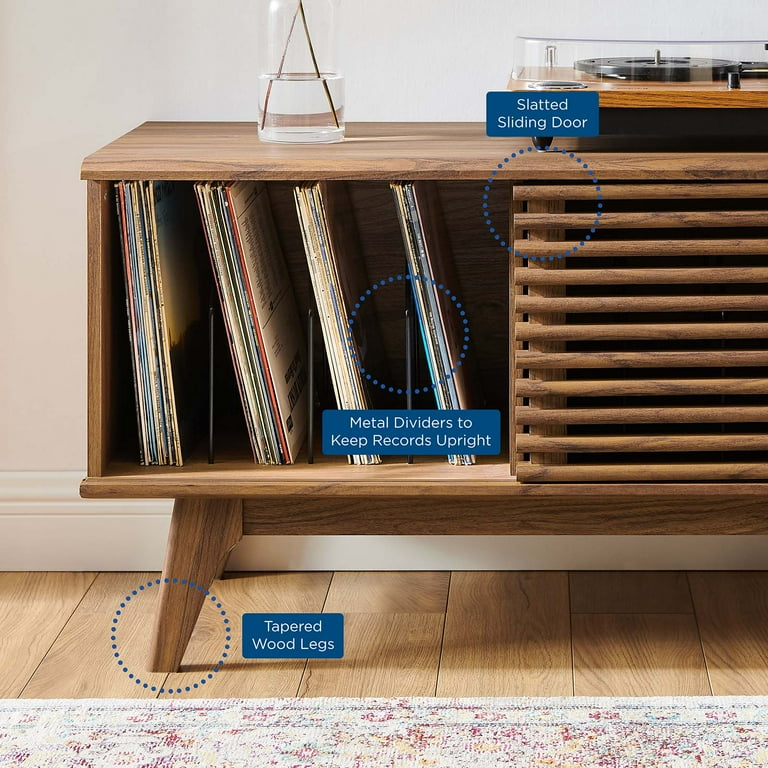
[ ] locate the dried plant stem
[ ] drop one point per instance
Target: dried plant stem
(317, 69)
(299, 9)
(280, 68)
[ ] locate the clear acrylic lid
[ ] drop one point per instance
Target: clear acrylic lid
(578, 63)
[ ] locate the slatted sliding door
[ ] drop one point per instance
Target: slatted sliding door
(642, 355)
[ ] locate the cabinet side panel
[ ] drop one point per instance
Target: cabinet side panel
(99, 322)
(111, 406)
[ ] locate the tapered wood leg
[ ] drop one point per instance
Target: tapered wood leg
(203, 532)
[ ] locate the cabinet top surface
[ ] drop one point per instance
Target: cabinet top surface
(210, 150)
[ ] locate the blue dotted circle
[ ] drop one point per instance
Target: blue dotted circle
(394, 280)
(566, 252)
(189, 585)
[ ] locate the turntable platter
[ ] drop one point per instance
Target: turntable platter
(658, 68)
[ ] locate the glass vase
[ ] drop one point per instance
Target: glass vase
(301, 91)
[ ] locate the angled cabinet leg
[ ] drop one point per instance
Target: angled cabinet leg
(203, 532)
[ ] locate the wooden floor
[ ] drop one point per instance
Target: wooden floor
(406, 634)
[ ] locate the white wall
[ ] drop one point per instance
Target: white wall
(76, 74)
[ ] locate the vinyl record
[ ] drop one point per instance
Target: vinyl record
(659, 68)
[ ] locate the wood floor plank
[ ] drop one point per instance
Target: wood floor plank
(732, 612)
(34, 607)
(239, 677)
(81, 663)
(393, 624)
(630, 592)
(507, 634)
(637, 655)
(385, 654)
(504, 634)
(388, 592)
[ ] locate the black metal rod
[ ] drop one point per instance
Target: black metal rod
(409, 363)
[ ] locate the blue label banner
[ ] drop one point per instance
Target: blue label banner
(416, 432)
(293, 635)
(542, 113)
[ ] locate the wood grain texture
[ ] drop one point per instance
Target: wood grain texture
(458, 156)
(100, 298)
(632, 507)
(643, 94)
(642, 331)
(637, 220)
(389, 151)
(647, 415)
(611, 387)
(647, 191)
(393, 625)
(324, 489)
(385, 654)
(643, 443)
(692, 98)
(629, 592)
(626, 325)
(34, 608)
(81, 663)
(515, 292)
(643, 304)
(651, 276)
(732, 613)
(637, 655)
(507, 634)
(203, 532)
(633, 634)
(388, 592)
(629, 473)
(240, 677)
(545, 343)
(694, 246)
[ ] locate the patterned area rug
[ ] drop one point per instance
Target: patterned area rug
(386, 733)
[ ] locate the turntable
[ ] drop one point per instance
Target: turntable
(651, 88)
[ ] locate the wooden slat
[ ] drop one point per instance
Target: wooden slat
(687, 415)
(698, 359)
(506, 634)
(528, 331)
(619, 473)
(729, 191)
(642, 443)
(604, 246)
(637, 655)
(637, 220)
(676, 275)
(642, 303)
(656, 387)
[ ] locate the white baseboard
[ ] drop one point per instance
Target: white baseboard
(46, 526)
